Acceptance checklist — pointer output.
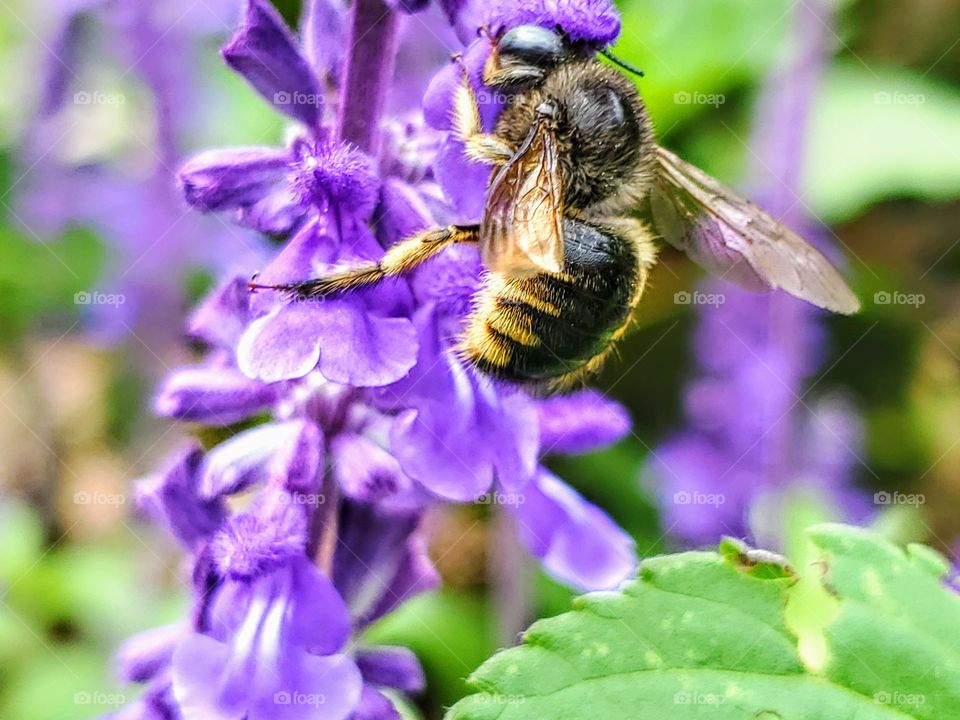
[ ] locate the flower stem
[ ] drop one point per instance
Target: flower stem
(511, 578)
(327, 516)
(367, 73)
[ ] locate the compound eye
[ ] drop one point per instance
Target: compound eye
(532, 45)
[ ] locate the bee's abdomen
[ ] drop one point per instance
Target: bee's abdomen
(539, 328)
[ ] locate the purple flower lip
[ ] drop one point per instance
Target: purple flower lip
(275, 639)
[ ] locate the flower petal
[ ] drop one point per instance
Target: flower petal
(211, 394)
(220, 319)
(284, 345)
(232, 177)
(402, 212)
(576, 541)
(147, 653)
(580, 423)
(278, 212)
(384, 562)
(464, 182)
(172, 498)
(392, 667)
(374, 705)
(315, 688)
(199, 684)
(335, 174)
(324, 35)
(248, 457)
(264, 51)
(453, 405)
(315, 597)
(351, 345)
(270, 533)
(364, 350)
(298, 461)
(368, 473)
(438, 100)
(595, 21)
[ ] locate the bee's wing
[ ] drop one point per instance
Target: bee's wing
(521, 232)
(733, 238)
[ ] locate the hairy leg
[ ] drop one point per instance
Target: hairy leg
(482, 147)
(399, 259)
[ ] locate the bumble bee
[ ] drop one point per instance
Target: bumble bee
(573, 155)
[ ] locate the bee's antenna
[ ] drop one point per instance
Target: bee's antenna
(621, 63)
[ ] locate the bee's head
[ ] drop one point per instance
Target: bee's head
(525, 54)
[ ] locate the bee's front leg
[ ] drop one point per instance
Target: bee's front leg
(480, 146)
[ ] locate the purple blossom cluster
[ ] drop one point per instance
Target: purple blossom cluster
(355, 414)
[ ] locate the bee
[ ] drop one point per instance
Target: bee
(573, 155)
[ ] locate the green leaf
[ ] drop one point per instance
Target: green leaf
(878, 133)
(715, 635)
(694, 52)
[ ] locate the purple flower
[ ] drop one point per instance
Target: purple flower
(358, 415)
(278, 656)
(576, 542)
(594, 21)
(276, 625)
(758, 353)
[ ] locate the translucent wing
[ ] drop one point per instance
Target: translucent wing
(521, 231)
(733, 238)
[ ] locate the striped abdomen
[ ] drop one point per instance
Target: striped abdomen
(531, 330)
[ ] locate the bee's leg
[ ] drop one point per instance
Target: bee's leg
(513, 75)
(482, 147)
(399, 259)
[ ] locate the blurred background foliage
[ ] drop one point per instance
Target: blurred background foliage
(883, 170)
